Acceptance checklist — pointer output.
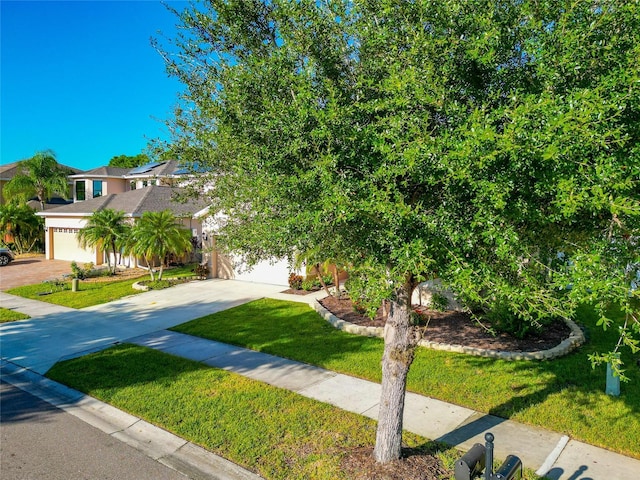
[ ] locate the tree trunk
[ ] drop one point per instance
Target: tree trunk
(150, 267)
(400, 340)
(113, 249)
(320, 279)
(336, 280)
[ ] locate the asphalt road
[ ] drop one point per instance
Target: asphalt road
(40, 441)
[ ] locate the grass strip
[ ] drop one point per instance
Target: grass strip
(565, 395)
(8, 315)
(90, 293)
(277, 433)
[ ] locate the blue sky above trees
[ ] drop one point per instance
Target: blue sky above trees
(82, 79)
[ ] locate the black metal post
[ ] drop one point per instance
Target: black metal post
(488, 473)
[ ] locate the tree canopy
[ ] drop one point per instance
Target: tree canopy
(492, 144)
(40, 176)
(126, 161)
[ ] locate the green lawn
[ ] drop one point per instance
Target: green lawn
(7, 315)
(565, 395)
(89, 293)
(277, 433)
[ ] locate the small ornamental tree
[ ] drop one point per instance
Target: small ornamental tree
(473, 141)
(20, 226)
(105, 229)
(157, 235)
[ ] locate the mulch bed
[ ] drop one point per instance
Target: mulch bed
(359, 464)
(121, 274)
(458, 328)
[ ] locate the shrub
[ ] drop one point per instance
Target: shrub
(159, 284)
(81, 272)
(502, 319)
(201, 271)
(295, 281)
(310, 284)
(439, 302)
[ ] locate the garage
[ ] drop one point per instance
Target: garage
(276, 273)
(63, 245)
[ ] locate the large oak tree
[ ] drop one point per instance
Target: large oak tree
(493, 144)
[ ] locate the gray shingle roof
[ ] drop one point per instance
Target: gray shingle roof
(133, 203)
(103, 172)
(8, 171)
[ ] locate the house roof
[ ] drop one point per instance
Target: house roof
(150, 170)
(103, 172)
(8, 171)
(155, 169)
(133, 203)
(51, 203)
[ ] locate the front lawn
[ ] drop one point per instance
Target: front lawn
(277, 433)
(565, 395)
(90, 292)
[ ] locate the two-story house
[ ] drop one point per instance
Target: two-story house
(151, 187)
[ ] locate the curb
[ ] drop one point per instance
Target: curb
(172, 451)
(575, 339)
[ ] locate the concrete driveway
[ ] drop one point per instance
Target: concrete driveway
(30, 270)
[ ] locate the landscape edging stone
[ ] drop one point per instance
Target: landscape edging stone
(575, 339)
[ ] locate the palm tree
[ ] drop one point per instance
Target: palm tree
(40, 176)
(159, 234)
(20, 225)
(104, 228)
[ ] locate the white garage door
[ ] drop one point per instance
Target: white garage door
(65, 247)
(264, 272)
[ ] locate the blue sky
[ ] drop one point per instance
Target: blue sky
(82, 79)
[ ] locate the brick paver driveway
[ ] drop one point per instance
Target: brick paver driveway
(29, 270)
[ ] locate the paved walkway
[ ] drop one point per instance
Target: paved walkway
(143, 319)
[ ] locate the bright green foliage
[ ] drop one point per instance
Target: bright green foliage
(107, 230)
(39, 176)
(157, 235)
(469, 141)
(21, 225)
(126, 161)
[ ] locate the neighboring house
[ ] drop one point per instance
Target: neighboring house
(151, 187)
(62, 224)
(8, 171)
(107, 180)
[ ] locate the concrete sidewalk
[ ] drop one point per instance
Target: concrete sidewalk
(143, 319)
(550, 453)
